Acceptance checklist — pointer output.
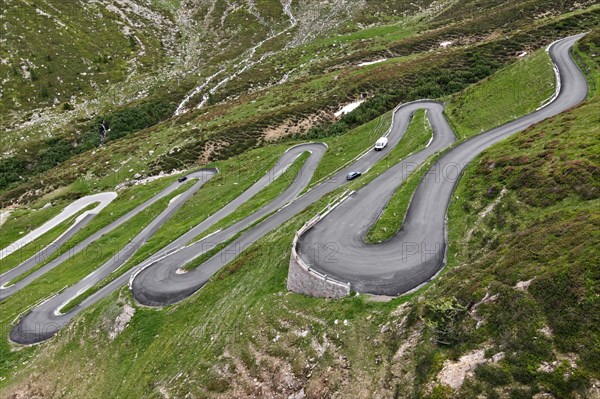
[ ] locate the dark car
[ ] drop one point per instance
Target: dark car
(353, 175)
(182, 179)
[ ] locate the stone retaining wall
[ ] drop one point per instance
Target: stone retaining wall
(304, 280)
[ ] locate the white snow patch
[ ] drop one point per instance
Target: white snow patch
(372, 62)
(349, 108)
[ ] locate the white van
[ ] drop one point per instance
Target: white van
(381, 143)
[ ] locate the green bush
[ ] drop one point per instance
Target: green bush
(565, 382)
(522, 367)
(441, 392)
(11, 168)
(444, 318)
(492, 374)
(51, 152)
(133, 118)
(518, 393)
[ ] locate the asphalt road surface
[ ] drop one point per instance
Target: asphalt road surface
(102, 199)
(40, 257)
(335, 246)
(411, 258)
(44, 320)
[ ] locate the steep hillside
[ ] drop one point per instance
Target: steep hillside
(257, 70)
(523, 276)
(234, 84)
(535, 311)
(514, 315)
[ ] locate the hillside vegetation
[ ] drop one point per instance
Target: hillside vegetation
(510, 290)
(515, 314)
(292, 82)
(513, 91)
(518, 302)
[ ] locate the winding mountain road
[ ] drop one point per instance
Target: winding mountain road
(45, 319)
(102, 199)
(409, 259)
(417, 252)
(38, 262)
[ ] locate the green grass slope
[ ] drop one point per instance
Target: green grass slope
(511, 92)
(524, 232)
(321, 68)
(243, 335)
(521, 284)
(56, 51)
(516, 90)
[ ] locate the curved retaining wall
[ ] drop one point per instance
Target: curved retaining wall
(304, 280)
